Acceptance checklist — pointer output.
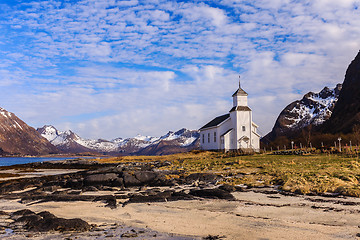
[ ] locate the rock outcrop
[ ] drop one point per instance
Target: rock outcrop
(346, 112)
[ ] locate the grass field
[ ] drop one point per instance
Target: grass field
(318, 173)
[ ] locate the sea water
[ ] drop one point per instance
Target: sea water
(8, 161)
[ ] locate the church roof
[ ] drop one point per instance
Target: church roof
(240, 92)
(240, 108)
(226, 132)
(216, 121)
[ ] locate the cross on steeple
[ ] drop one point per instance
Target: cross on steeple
(239, 82)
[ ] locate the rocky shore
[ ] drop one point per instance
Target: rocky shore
(138, 200)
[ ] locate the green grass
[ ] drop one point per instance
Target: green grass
(301, 174)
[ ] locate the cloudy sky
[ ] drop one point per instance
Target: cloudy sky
(110, 68)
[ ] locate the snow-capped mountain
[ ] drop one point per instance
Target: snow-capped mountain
(67, 141)
(313, 109)
(18, 138)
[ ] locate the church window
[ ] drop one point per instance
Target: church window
(203, 138)
(214, 136)
(208, 137)
(243, 128)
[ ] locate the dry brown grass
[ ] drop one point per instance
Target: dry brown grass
(301, 174)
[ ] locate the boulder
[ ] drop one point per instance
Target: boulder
(45, 221)
(58, 224)
(146, 176)
(130, 180)
(212, 193)
(100, 179)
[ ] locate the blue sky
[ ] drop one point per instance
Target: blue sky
(108, 68)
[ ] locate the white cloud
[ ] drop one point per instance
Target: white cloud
(152, 66)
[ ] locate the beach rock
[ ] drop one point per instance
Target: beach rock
(212, 193)
(90, 189)
(28, 218)
(146, 176)
(46, 214)
(130, 180)
(158, 197)
(74, 184)
(108, 199)
(50, 188)
(101, 179)
(228, 188)
(119, 182)
(213, 237)
(46, 221)
(154, 196)
(129, 235)
(58, 224)
(202, 177)
(20, 213)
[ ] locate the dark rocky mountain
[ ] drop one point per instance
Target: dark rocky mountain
(313, 109)
(346, 113)
(172, 142)
(17, 138)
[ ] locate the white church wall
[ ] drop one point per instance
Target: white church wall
(243, 123)
(213, 143)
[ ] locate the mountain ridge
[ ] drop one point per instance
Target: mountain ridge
(346, 113)
(18, 138)
(69, 142)
(313, 109)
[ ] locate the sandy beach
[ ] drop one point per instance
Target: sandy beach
(254, 215)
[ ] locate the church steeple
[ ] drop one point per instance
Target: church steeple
(240, 91)
(240, 97)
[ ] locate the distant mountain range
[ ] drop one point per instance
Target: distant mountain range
(172, 142)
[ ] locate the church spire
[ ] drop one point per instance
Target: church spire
(240, 91)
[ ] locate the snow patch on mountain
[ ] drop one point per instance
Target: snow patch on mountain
(313, 108)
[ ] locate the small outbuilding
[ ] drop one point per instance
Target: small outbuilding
(234, 130)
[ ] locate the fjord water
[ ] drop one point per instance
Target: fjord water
(8, 161)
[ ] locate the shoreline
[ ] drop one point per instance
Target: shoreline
(137, 195)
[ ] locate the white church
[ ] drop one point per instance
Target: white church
(233, 131)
